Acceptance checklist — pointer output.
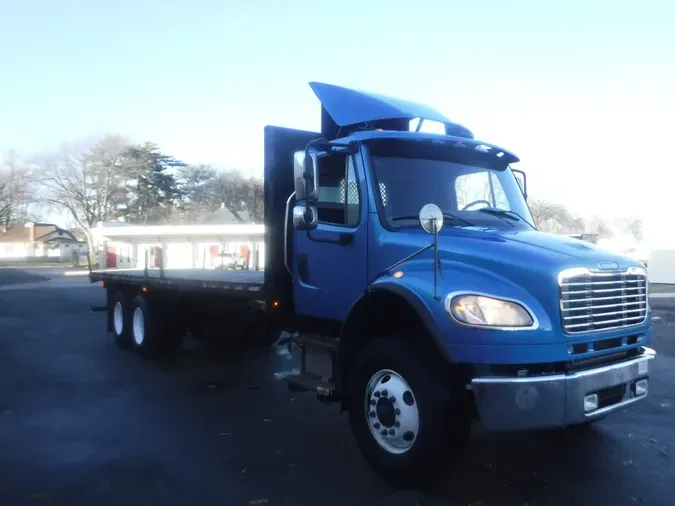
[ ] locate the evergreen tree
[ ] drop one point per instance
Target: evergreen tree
(154, 190)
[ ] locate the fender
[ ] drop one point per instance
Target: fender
(400, 297)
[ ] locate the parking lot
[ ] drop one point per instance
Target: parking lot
(83, 423)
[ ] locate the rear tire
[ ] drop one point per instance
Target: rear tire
(427, 423)
(121, 321)
(263, 332)
(147, 330)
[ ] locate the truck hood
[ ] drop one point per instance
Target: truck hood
(550, 249)
(527, 258)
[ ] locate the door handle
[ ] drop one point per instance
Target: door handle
(343, 239)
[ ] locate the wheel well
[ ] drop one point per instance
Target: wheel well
(377, 315)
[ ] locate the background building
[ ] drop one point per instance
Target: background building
(119, 245)
(40, 241)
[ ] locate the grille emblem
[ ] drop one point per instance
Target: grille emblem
(608, 266)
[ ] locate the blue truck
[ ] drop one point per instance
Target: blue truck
(412, 262)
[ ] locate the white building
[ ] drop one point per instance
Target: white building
(120, 245)
(40, 241)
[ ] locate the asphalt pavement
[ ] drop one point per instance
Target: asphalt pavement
(83, 423)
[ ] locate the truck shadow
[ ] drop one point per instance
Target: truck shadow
(548, 467)
(567, 466)
(213, 365)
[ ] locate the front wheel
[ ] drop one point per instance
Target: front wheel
(408, 421)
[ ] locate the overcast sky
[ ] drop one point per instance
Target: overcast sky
(582, 93)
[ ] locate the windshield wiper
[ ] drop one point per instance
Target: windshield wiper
(445, 216)
(503, 213)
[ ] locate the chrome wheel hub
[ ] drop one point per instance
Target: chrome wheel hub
(391, 411)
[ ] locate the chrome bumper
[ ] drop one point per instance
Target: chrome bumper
(562, 399)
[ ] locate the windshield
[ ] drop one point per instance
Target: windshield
(411, 174)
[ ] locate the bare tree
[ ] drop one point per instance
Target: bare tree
(637, 229)
(625, 225)
(238, 193)
(601, 227)
(556, 218)
(86, 181)
(16, 184)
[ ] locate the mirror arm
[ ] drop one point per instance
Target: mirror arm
(518, 171)
(393, 266)
(437, 262)
(286, 232)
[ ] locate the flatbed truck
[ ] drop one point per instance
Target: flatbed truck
(411, 260)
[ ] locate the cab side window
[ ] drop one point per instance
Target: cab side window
(339, 202)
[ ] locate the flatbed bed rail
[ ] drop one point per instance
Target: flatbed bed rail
(244, 283)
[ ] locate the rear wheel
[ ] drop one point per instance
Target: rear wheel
(147, 330)
(263, 332)
(409, 423)
(121, 323)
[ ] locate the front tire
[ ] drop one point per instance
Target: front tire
(409, 419)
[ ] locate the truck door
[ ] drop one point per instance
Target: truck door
(330, 262)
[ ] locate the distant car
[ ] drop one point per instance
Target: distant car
(231, 261)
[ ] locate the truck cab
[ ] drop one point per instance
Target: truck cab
(414, 260)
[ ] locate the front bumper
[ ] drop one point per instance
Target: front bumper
(559, 400)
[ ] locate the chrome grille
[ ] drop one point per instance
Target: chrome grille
(594, 301)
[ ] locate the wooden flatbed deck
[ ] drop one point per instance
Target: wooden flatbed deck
(244, 282)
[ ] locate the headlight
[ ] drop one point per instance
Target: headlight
(480, 310)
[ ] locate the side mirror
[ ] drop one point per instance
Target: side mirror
(305, 174)
(431, 218)
(521, 178)
(305, 217)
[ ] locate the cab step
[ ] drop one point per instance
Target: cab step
(308, 382)
(316, 342)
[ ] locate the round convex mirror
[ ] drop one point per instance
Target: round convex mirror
(429, 215)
